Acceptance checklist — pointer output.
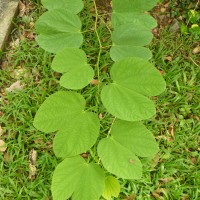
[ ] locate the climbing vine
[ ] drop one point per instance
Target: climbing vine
(133, 80)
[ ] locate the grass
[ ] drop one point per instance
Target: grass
(173, 174)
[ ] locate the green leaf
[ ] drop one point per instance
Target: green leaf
(133, 18)
(184, 29)
(74, 177)
(118, 52)
(126, 104)
(133, 6)
(118, 152)
(193, 16)
(133, 80)
(195, 29)
(73, 63)
(136, 137)
(59, 29)
(64, 112)
(79, 135)
(112, 188)
(139, 75)
(131, 35)
(74, 6)
(119, 160)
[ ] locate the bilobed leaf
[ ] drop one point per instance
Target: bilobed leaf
(74, 6)
(119, 52)
(119, 160)
(74, 177)
(64, 112)
(136, 137)
(133, 18)
(133, 80)
(119, 152)
(139, 75)
(128, 34)
(126, 104)
(112, 188)
(91, 183)
(59, 29)
(79, 135)
(132, 5)
(73, 63)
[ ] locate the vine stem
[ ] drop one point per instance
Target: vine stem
(111, 127)
(99, 41)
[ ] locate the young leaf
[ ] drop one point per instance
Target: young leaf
(59, 29)
(73, 63)
(74, 177)
(119, 160)
(133, 80)
(112, 188)
(118, 52)
(132, 6)
(64, 112)
(74, 6)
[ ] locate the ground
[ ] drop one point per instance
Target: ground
(174, 173)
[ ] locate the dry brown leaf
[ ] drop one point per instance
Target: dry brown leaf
(4, 65)
(2, 146)
(155, 32)
(95, 82)
(100, 116)
(7, 157)
(33, 156)
(29, 35)
(15, 43)
(32, 171)
(163, 9)
(185, 197)
(194, 160)
(85, 155)
(171, 130)
(131, 197)
(168, 58)
(15, 86)
(196, 50)
(22, 9)
(166, 180)
(31, 24)
(158, 193)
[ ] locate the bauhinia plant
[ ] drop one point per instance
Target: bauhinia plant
(127, 97)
